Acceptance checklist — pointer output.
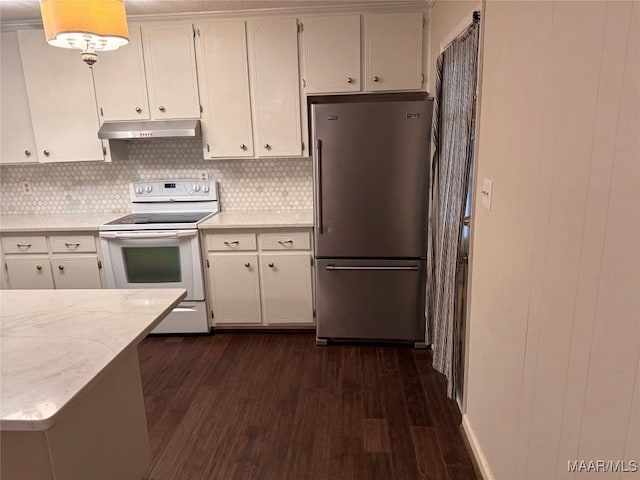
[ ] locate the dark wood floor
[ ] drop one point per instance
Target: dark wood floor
(274, 406)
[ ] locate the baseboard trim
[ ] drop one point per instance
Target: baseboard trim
(479, 461)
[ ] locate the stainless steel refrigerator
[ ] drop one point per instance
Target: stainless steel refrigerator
(371, 173)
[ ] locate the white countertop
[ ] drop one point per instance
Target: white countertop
(78, 222)
(73, 222)
(260, 219)
(54, 343)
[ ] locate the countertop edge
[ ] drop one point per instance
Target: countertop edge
(43, 424)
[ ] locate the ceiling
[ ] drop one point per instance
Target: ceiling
(29, 10)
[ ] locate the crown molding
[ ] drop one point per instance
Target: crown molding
(379, 7)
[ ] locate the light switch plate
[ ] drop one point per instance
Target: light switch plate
(486, 192)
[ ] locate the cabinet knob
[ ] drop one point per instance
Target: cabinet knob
(267, 146)
(247, 264)
(38, 267)
(349, 80)
(161, 108)
(376, 79)
(27, 153)
(60, 267)
(46, 153)
(243, 146)
(270, 264)
(138, 109)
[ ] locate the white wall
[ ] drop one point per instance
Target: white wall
(554, 342)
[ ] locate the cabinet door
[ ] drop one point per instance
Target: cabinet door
(235, 290)
(170, 65)
(118, 101)
(275, 90)
(393, 51)
(62, 100)
(17, 143)
(29, 272)
(223, 76)
(75, 271)
(331, 54)
(286, 288)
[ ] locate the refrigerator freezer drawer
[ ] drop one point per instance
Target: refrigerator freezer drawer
(370, 299)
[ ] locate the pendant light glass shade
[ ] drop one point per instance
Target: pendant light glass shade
(88, 25)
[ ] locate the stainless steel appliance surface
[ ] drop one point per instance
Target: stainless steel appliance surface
(156, 246)
(370, 195)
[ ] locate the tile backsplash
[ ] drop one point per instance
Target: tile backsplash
(254, 184)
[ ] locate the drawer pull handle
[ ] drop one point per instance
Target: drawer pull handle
(376, 79)
(138, 110)
(230, 244)
(285, 242)
(23, 245)
(60, 267)
(247, 264)
(38, 267)
(161, 108)
(267, 146)
(72, 244)
(349, 80)
(46, 153)
(243, 146)
(270, 264)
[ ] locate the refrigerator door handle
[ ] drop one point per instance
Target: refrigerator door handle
(380, 267)
(318, 149)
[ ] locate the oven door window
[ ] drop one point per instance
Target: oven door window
(152, 264)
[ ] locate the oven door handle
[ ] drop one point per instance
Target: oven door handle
(147, 235)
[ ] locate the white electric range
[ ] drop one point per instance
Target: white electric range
(156, 246)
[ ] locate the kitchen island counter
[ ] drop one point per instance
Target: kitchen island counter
(260, 219)
(71, 397)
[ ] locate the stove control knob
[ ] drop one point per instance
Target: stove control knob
(196, 187)
(148, 188)
(205, 189)
(139, 190)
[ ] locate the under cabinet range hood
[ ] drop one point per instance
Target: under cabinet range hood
(149, 129)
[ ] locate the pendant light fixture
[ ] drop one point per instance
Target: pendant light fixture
(89, 25)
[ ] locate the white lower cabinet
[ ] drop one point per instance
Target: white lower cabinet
(51, 261)
(29, 272)
(267, 284)
(75, 271)
(285, 281)
(234, 287)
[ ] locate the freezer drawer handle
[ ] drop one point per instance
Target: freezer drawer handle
(379, 267)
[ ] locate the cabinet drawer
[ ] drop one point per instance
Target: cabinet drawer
(77, 243)
(231, 242)
(285, 241)
(25, 244)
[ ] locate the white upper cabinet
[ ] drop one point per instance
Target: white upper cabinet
(119, 78)
(331, 53)
(17, 143)
(393, 51)
(170, 66)
(223, 76)
(275, 89)
(61, 100)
